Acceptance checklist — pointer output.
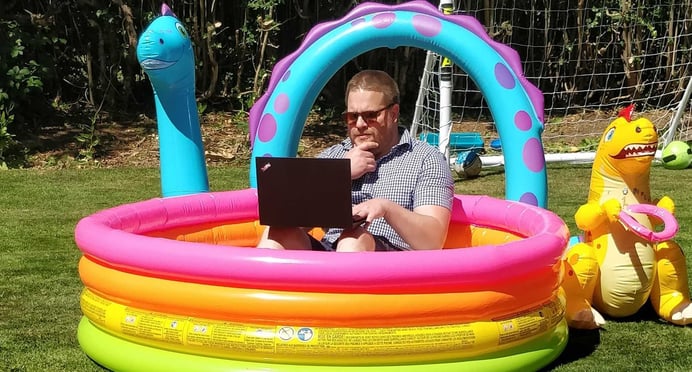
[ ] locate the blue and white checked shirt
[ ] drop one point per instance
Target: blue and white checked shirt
(412, 174)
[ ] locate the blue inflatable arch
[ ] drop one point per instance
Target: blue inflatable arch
(278, 117)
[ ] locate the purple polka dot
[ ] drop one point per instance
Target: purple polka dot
(522, 120)
(267, 128)
(357, 22)
(383, 20)
(281, 103)
(503, 76)
(268, 155)
(286, 75)
(426, 25)
(534, 158)
(529, 198)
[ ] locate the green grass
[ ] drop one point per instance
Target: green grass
(40, 287)
(642, 342)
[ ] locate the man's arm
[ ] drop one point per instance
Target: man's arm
(424, 228)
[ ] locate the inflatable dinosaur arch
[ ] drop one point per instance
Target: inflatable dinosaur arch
(276, 119)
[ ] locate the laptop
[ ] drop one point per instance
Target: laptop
(304, 192)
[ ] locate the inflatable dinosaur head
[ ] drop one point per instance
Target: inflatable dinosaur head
(627, 146)
(165, 52)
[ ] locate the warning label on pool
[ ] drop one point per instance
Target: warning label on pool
(238, 339)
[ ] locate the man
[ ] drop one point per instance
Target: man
(402, 187)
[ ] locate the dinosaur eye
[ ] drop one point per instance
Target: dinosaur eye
(181, 29)
(638, 129)
(609, 135)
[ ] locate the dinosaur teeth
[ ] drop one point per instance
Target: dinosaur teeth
(639, 150)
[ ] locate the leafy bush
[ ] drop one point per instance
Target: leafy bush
(20, 80)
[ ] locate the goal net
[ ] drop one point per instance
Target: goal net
(590, 59)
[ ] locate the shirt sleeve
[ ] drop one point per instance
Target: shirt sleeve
(435, 184)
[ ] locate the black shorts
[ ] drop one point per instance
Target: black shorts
(382, 244)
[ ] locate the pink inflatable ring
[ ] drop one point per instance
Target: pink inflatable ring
(124, 238)
(669, 221)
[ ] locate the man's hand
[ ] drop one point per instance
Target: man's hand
(362, 159)
(372, 209)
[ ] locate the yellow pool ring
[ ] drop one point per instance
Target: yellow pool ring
(296, 343)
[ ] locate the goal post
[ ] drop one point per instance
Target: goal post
(589, 61)
(445, 80)
(674, 131)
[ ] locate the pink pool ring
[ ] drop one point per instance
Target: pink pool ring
(670, 223)
(119, 236)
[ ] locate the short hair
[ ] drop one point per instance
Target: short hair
(376, 81)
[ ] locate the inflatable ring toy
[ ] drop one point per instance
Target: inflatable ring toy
(669, 221)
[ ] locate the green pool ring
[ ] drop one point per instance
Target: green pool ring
(118, 354)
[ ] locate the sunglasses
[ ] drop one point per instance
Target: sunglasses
(370, 117)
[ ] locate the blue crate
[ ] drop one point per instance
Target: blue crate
(461, 141)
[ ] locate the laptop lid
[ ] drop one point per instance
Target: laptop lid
(304, 192)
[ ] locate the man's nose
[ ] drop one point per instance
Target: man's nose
(360, 122)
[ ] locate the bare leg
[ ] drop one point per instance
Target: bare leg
(293, 238)
(355, 240)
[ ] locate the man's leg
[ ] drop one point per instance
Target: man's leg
(357, 239)
(294, 238)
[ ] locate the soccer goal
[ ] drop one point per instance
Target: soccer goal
(590, 59)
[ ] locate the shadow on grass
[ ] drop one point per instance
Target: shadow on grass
(484, 173)
(580, 344)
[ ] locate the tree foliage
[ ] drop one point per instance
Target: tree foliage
(60, 58)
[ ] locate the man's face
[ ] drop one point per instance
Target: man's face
(371, 118)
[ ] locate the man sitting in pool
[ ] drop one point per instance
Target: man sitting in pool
(402, 187)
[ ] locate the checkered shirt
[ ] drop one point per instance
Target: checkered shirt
(412, 174)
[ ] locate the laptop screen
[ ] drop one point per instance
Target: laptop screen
(304, 192)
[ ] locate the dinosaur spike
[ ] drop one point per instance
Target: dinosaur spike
(167, 11)
(627, 112)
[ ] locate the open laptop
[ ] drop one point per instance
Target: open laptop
(304, 192)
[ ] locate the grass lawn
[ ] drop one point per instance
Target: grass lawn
(40, 287)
